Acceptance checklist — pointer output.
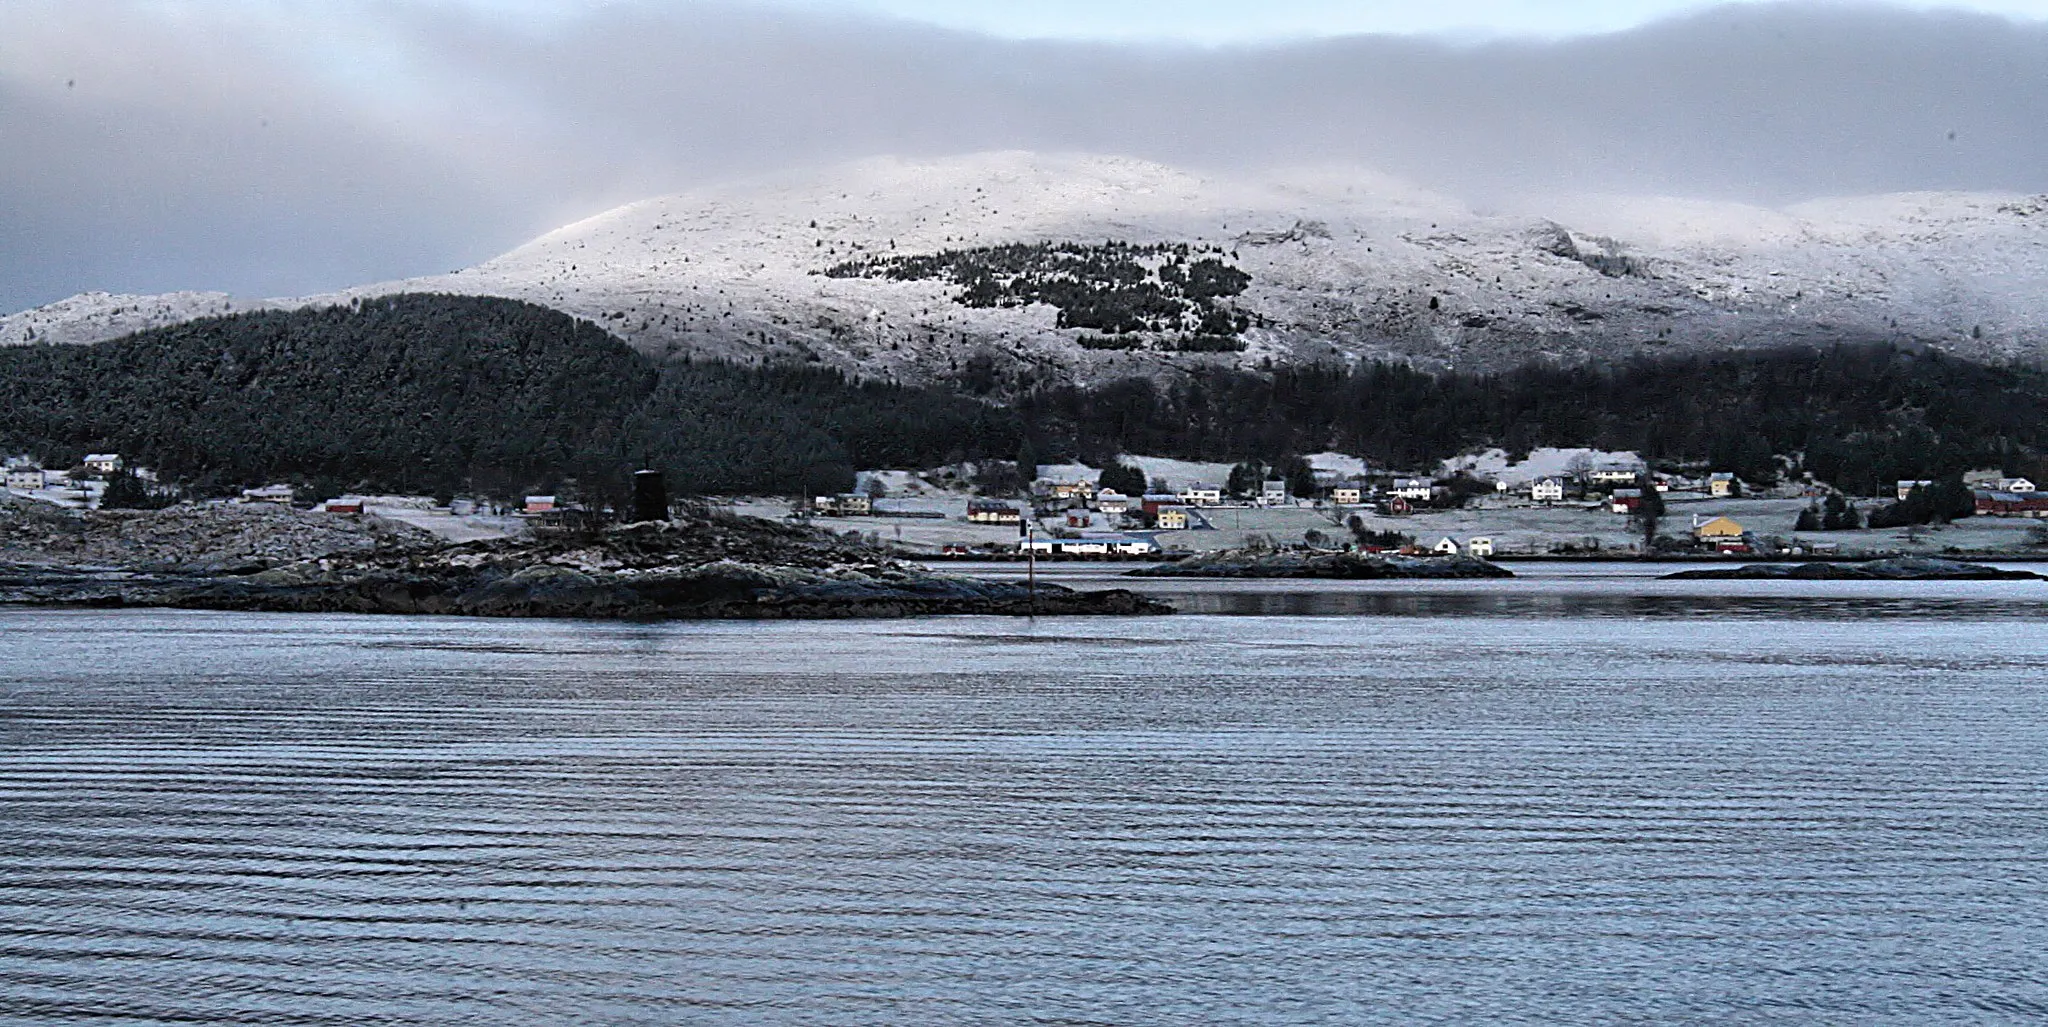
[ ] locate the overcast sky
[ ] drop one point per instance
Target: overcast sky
(290, 147)
(1212, 22)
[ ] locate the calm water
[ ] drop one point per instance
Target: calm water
(1487, 803)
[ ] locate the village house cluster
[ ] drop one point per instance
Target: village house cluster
(80, 485)
(1070, 513)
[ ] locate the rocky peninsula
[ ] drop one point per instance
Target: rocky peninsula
(705, 564)
(1907, 568)
(1241, 563)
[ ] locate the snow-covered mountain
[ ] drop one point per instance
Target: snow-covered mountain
(98, 316)
(1341, 263)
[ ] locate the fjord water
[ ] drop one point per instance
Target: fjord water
(1795, 804)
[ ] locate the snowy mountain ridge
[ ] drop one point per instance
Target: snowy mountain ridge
(1341, 264)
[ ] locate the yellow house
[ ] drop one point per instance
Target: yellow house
(1173, 518)
(1717, 530)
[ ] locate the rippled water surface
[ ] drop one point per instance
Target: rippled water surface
(1454, 811)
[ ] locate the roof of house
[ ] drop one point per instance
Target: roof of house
(1720, 526)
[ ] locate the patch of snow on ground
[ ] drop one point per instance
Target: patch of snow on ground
(1547, 462)
(1339, 464)
(897, 484)
(1179, 473)
(1069, 472)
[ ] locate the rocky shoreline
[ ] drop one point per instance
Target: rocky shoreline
(702, 566)
(1328, 566)
(1910, 568)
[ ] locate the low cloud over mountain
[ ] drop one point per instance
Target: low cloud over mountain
(271, 150)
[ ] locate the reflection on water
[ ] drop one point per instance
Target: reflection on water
(1520, 814)
(1565, 589)
(1510, 601)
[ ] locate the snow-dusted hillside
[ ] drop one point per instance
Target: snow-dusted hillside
(98, 316)
(1342, 264)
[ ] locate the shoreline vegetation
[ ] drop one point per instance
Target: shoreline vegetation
(1910, 568)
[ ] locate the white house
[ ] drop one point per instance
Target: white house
(1082, 490)
(1547, 490)
(1481, 547)
(1273, 493)
(1201, 493)
(2015, 485)
(279, 494)
(1615, 474)
(993, 511)
(26, 476)
(1414, 489)
(1446, 546)
(1906, 487)
(1094, 545)
(103, 463)
(1112, 502)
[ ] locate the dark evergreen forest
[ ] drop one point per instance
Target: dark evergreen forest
(1860, 417)
(437, 394)
(1175, 293)
(445, 394)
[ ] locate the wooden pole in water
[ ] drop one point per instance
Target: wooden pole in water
(1030, 526)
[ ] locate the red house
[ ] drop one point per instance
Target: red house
(2012, 504)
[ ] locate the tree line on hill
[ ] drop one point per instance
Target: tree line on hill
(1161, 295)
(435, 394)
(1858, 416)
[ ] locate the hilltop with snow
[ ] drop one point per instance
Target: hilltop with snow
(1340, 265)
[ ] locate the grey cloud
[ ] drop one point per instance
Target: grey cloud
(271, 155)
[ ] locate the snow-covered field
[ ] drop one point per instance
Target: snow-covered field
(1343, 264)
(1545, 462)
